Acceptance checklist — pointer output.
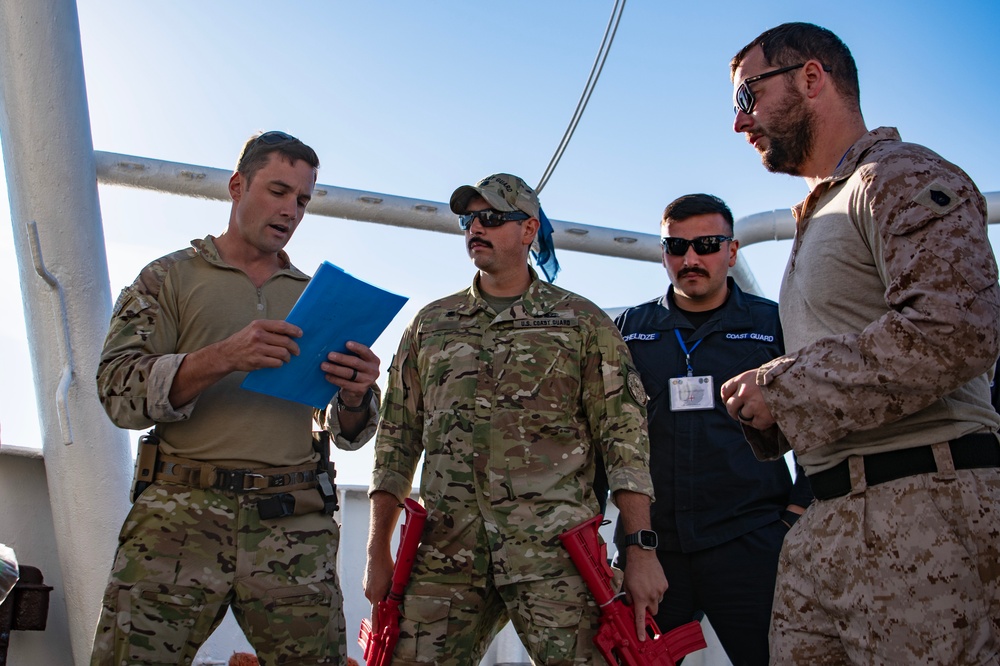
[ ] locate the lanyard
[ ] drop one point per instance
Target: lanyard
(687, 352)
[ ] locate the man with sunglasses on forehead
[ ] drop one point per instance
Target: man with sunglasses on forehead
(509, 389)
(890, 302)
(233, 515)
(720, 514)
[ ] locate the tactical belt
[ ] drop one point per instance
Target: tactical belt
(172, 469)
(975, 451)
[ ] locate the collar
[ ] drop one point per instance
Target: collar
(538, 301)
(852, 159)
(734, 313)
(206, 248)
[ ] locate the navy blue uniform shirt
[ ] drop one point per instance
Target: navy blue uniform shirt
(709, 486)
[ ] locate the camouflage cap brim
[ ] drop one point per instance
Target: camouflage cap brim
(462, 196)
(502, 191)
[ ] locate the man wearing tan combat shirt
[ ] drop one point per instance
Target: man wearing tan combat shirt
(234, 516)
(891, 303)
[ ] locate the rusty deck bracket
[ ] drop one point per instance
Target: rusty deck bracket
(26, 608)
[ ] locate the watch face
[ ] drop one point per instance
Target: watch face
(643, 538)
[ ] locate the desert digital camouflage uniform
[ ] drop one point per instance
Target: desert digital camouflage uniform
(509, 410)
(187, 553)
(891, 299)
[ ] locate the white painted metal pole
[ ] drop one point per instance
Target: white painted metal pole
(52, 186)
(340, 202)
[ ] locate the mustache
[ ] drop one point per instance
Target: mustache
(692, 270)
(479, 241)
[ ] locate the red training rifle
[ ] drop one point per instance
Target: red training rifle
(380, 642)
(616, 638)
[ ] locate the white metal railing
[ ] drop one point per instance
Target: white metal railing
(343, 203)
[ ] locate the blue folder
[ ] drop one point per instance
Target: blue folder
(334, 308)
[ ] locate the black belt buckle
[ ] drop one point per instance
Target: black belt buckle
(228, 479)
(234, 480)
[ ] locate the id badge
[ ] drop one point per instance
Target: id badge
(687, 393)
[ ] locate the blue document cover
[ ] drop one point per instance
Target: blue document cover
(334, 308)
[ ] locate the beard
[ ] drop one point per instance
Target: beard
(790, 137)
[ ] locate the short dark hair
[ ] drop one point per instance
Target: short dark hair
(259, 147)
(792, 43)
(690, 205)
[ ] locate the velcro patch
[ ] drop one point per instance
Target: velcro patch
(547, 322)
(646, 337)
(635, 388)
(939, 198)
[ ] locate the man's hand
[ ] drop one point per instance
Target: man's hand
(263, 343)
(645, 583)
(644, 586)
(354, 373)
(745, 401)
(377, 582)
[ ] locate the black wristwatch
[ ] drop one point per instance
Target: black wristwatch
(645, 539)
(363, 407)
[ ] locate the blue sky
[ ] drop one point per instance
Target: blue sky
(416, 98)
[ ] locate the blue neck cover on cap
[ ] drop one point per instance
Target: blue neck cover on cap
(545, 258)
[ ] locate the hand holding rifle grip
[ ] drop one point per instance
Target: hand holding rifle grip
(616, 639)
(379, 643)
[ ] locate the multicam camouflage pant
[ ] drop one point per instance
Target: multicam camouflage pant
(453, 625)
(904, 572)
(185, 555)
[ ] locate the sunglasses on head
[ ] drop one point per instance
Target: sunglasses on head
(490, 218)
(274, 137)
(702, 244)
(745, 100)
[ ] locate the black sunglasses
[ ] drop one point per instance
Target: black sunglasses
(702, 244)
(274, 137)
(490, 218)
(745, 99)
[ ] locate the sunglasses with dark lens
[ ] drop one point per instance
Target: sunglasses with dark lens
(745, 100)
(490, 218)
(274, 137)
(702, 244)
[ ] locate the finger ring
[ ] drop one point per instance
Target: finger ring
(354, 375)
(743, 417)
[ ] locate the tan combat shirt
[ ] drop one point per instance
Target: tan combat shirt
(179, 304)
(891, 298)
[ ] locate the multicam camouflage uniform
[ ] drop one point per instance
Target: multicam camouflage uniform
(186, 553)
(509, 410)
(891, 298)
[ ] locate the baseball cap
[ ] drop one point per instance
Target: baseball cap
(502, 191)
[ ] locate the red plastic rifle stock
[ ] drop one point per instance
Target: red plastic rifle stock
(380, 643)
(616, 639)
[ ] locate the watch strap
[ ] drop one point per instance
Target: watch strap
(363, 407)
(645, 539)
